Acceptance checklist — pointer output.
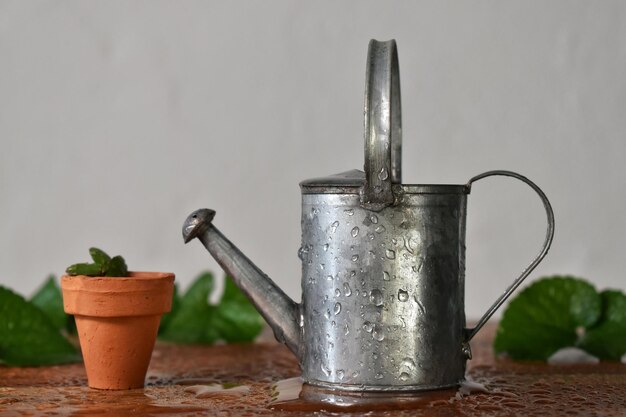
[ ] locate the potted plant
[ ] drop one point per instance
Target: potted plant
(117, 316)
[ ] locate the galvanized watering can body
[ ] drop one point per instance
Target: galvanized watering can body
(383, 265)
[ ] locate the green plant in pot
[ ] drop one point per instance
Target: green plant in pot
(117, 316)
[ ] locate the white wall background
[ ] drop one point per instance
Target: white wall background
(117, 119)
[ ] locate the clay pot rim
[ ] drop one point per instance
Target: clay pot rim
(133, 275)
(142, 293)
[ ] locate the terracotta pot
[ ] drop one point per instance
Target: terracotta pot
(117, 321)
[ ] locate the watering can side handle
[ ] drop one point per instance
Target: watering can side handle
(470, 333)
(383, 125)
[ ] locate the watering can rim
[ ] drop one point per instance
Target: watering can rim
(352, 182)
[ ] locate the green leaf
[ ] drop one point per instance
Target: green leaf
(91, 270)
(100, 257)
(28, 337)
(117, 267)
(239, 321)
(166, 319)
(193, 323)
(544, 317)
(607, 339)
(234, 319)
(49, 300)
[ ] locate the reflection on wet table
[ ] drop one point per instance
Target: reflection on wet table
(262, 379)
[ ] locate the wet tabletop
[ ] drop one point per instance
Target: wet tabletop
(261, 379)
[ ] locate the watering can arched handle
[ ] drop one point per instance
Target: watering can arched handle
(383, 125)
(470, 333)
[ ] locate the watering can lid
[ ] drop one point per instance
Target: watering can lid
(348, 182)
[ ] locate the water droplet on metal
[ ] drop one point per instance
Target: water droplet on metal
(390, 254)
(301, 253)
(467, 350)
(326, 370)
(346, 330)
(347, 291)
(370, 236)
(374, 218)
(379, 376)
(315, 211)
(340, 373)
(355, 231)
(337, 309)
(403, 295)
(394, 241)
(380, 228)
(368, 327)
(376, 297)
(327, 314)
(383, 174)
(322, 266)
(408, 364)
(404, 376)
(329, 278)
(355, 258)
(337, 292)
(352, 273)
(378, 333)
(385, 276)
(325, 247)
(333, 227)
(349, 212)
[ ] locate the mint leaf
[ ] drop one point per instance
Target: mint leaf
(607, 339)
(234, 319)
(103, 265)
(92, 270)
(100, 257)
(544, 317)
(28, 337)
(117, 267)
(49, 300)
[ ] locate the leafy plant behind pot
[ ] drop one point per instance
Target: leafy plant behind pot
(103, 266)
(194, 320)
(28, 337)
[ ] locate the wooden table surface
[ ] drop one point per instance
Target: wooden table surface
(241, 380)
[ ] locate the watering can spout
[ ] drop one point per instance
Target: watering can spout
(280, 311)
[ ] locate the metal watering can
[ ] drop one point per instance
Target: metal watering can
(383, 264)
